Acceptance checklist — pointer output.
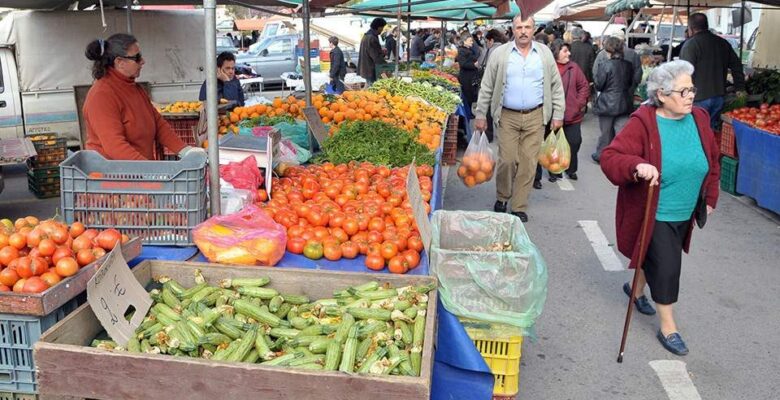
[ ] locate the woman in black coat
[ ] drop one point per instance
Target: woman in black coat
(615, 102)
(468, 74)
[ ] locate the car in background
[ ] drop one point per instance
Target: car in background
(225, 43)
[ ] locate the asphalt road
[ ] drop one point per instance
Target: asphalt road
(728, 310)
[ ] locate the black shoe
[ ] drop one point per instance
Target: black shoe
(572, 176)
(674, 343)
(500, 206)
(595, 158)
(642, 303)
(555, 177)
(537, 184)
(519, 214)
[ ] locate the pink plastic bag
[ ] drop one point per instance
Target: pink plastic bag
(244, 175)
(248, 237)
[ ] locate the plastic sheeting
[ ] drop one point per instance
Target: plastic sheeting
(508, 287)
(758, 175)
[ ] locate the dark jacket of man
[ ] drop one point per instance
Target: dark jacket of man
(613, 81)
(370, 55)
(629, 55)
(418, 48)
(338, 67)
(712, 57)
(583, 55)
(230, 90)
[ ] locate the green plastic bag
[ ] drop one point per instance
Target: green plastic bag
(504, 287)
(298, 132)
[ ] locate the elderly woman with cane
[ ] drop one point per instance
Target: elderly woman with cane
(669, 143)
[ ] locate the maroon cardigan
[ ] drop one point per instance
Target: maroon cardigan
(639, 142)
(577, 91)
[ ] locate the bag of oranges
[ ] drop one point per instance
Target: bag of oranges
(555, 154)
(478, 163)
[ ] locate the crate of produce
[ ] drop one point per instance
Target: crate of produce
(18, 396)
(728, 142)
(66, 367)
(18, 334)
(450, 150)
(728, 175)
(355, 85)
(51, 299)
(501, 350)
(35, 163)
(49, 148)
(160, 202)
(43, 173)
(44, 190)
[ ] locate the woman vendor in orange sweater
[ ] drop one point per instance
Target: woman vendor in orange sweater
(122, 123)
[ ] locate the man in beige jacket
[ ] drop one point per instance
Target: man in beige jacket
(522, 88)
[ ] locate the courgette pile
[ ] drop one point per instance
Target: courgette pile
(370, 328)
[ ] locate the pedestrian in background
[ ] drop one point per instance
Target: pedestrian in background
(371, 53)
(523, 89)
(582, 53)
(713, 58)
(669, 143)
(417, 50)
(468, 71)
(338, 67)
(613, 82)
(391, 44)
(493, 40)
(628, 54)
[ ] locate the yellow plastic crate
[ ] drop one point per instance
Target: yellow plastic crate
(502, 355)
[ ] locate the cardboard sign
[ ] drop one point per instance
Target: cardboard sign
(315, 124)
(112, 293)
(418, 207)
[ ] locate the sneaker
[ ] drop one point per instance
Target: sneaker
(674, 343)
(642, 303)
(500, 206)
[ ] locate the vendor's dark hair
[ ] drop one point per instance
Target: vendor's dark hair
(104, 52)
(225, 56)
(378, 23)
(556, 46)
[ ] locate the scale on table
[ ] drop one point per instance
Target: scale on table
(234, 148)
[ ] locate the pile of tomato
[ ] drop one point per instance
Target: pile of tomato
(766, 117)
(346, 210)
(36, 255)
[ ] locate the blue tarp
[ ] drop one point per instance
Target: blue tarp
(758, 175)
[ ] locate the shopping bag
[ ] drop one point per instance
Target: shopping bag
(478, 162)
(555, 154)
(248, 237)
(242, 175)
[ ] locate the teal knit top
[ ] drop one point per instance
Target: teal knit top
(683, 168)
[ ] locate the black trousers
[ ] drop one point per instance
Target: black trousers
(573, 134)
(663, 261)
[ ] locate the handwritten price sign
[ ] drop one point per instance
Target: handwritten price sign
(112, 293)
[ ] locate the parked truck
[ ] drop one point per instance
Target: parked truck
(42, 60)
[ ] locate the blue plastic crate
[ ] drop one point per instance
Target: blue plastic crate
(18, 334)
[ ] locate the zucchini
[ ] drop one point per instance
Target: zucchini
(259, 292)
(257, 313)
(370, 313)
(350, 350)
(332, 356)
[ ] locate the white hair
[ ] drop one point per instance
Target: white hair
(662, 79)
(519, 16)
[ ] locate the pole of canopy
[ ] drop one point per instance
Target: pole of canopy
(408, 31)
(442, 42)
(741, 30)
(671, 37)
(398, 42)
(307, 50)
(129, 15)
(210, 15)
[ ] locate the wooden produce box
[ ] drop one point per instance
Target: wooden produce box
(69, 369)
(44, 303)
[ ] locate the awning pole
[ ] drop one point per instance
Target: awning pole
(741, 30)
(408, 31)
(210, 15)
(307, 51)
(442, 42)
(671, 38)
(129, 5)
(398, 42)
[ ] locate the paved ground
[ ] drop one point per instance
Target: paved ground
(728, 309)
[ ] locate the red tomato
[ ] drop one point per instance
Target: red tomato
(295, 245)
(108, 239)
(398, 265)
(332, 251)
(375, 262)
(313, 250)
(389, 250)
(349, 249)
(412, 258)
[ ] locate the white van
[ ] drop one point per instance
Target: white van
(42, 59)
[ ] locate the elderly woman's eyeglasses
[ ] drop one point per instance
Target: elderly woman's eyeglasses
(137, 58)
(684, 92)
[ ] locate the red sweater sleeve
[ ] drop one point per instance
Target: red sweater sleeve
(105, 118)
(165, 134)
(620, 158)
(583, 87)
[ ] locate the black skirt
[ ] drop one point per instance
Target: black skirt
(664, 260)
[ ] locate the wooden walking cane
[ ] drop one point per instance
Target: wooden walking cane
(642, 254)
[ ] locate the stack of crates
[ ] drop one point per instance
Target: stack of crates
(185, 127)
(43, 172)
(501, 354)
(450, 150)
(18, 334)
(728, 175)
(728, 142)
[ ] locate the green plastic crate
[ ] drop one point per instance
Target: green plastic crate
(728, 175)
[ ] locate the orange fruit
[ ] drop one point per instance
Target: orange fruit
(470, 181)
(462, 171)
(480, 177)
(486, 166)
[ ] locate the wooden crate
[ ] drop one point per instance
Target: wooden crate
(44, 303)
(68, 369)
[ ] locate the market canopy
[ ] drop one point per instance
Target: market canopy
(82, 4)
(618, 6)
(448, 10)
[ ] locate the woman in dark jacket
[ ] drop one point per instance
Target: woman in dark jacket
(670, 144)
(467, 61)
(577, 91)
(613, 82)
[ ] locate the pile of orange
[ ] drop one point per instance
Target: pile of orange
(413, 116)
(476, 168)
